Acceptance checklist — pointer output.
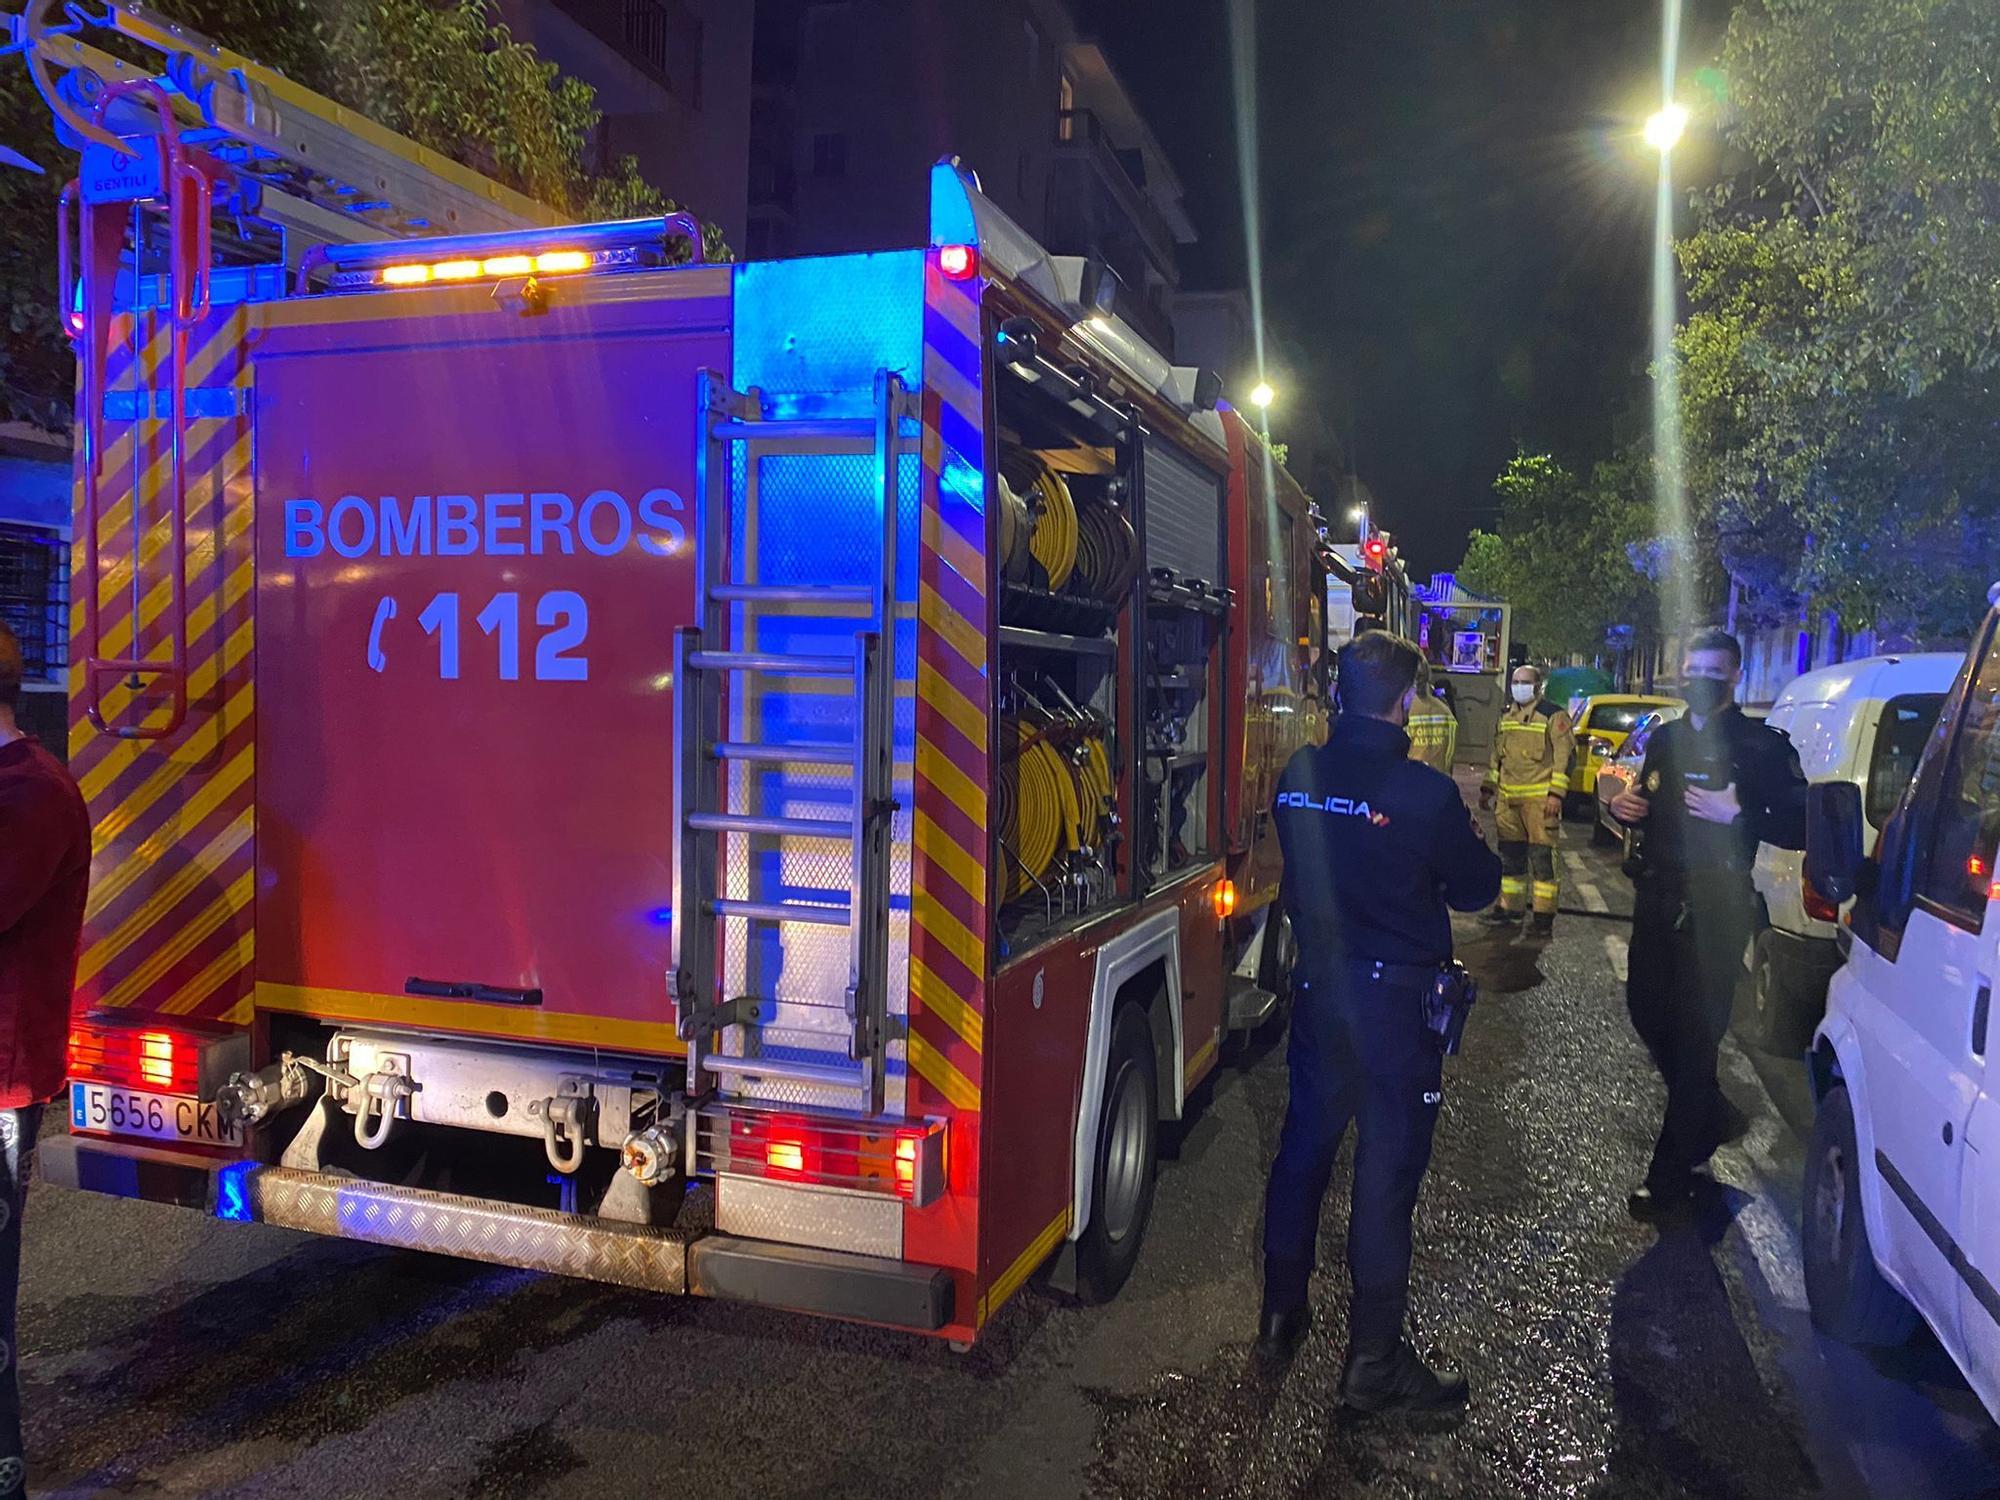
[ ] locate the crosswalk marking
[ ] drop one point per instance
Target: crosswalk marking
(1614, 949)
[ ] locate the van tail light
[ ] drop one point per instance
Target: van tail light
(866, 1156)
(143, 1054)
(1817, 906)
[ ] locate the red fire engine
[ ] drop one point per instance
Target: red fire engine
(743, 780)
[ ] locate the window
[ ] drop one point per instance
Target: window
(1065, 109)
(829, 155)
(1959, 871)
(1899, 740)
(1615, 718)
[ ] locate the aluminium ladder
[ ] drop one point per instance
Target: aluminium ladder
(719, 668)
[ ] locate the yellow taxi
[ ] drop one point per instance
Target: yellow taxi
(1602, 723)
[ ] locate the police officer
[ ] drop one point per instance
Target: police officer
(1377, 849)
(1529, 778)
(1714, 785)
(1433, 728)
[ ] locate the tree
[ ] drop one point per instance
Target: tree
(1843, 342)
(442, 72)
(1569, 553)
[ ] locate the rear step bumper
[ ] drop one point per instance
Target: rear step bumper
(828, 1282)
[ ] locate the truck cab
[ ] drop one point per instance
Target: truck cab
(1902, 1189)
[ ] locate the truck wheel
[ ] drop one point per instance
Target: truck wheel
(1128, 1133)
(1783, 1019)
(1849, 1298)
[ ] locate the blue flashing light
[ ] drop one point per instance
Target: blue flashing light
(232, 1193)
(952, 219)
(661, 916)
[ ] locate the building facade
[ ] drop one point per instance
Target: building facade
(673, 80)
(854, 99)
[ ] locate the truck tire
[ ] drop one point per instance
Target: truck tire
(1128, 1141)
(1784, 1018)
(1849, 1298)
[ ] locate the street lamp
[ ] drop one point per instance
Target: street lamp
(1665, 127)
(1261, 396)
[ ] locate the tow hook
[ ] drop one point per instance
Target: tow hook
(376, 1099)
(652, 1155)
(565, 1121)
(248, 1098)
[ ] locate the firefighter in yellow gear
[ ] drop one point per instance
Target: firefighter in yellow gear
(1433, 728)
(1528, 778)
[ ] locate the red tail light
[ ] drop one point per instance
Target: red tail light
(901, 1161)
(160, 1060)
(1817, 906)
(958, 262)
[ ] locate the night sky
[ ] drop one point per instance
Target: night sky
(1457, 221)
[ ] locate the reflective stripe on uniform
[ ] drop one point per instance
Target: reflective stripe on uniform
(1533, 789)
(1513, 885)
(1547, 890)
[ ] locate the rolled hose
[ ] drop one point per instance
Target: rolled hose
(1054, 539)
(1048, 803)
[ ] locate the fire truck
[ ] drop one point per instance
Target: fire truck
(740, 780)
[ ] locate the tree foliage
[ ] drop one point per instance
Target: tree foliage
(1843, 342)
(1569, 552)
(443, 72)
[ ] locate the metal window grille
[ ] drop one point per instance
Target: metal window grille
(34, 597)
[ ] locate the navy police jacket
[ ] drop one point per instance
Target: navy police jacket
(1378, 849)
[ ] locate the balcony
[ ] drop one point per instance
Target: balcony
(661, 38)
(1097, 206)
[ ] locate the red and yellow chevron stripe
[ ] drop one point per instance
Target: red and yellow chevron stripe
(169, 929)
(949, 913)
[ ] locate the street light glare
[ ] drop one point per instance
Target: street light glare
(1357, 513)
(1665, 128)
(1262, 396)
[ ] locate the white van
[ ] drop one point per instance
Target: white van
(1862, 722)
(1902, 1179)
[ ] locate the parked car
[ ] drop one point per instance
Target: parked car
(1621, 771)
(1602, 725)
(1902, 1177)
(1862, 722)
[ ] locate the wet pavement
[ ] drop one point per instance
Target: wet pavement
(166, 1354)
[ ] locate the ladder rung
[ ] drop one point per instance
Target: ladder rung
(792, 593)
(797, 428)
(799, 1072)
(784, 828)
(769, 755)
(772, 663)
(784, 911)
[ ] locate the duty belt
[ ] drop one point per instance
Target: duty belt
(1377, 972)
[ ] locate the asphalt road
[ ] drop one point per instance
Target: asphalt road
(165, 1354)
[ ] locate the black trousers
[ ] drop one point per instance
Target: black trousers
(1687, 953)
(1360, 1052)
(18, 1129)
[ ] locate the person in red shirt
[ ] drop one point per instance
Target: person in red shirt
(44, 878)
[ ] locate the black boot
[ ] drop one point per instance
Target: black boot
(1543, 925)
(1499, 916)
(1661, 1202)
(1279, 1334)
(1398, 1380)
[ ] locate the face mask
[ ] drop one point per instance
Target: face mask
(1706, 694)
(1524, 692)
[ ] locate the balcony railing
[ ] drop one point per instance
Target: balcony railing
(660, 37)
(1088, 166)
